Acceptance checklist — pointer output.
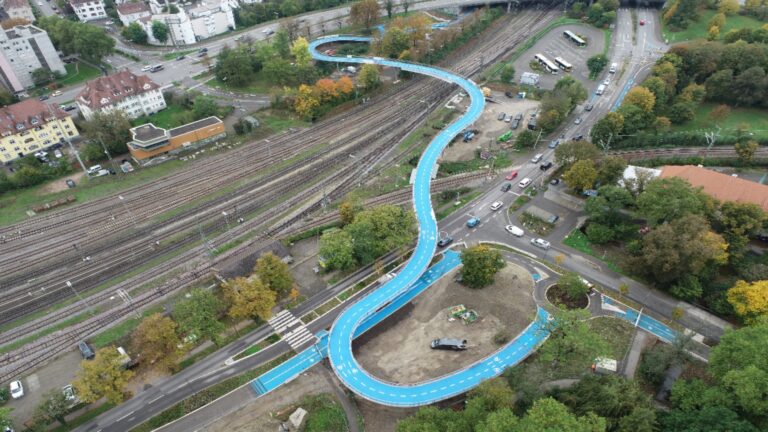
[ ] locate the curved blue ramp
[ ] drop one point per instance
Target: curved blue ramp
(348, 322)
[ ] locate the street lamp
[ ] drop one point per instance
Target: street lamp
(88, 306)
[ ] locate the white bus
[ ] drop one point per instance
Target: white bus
(548, 65)
(571, 36)
(562, 64)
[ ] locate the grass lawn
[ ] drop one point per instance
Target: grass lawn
(77, 73)
(324, 414)
(616, 332)
(579, 241)
(16, 203)
(259, 85)
(163, 119)
(448, 209)
(121, 330)
(279, 124)
(756, 119)
(700, 28)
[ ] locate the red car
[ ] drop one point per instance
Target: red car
(642, 22)
(511, 175)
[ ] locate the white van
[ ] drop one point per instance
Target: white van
(614, 68)
(537, 158)
(524, 183)
(600, 89)
(515, 231)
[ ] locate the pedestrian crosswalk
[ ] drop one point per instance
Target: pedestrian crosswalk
(291, 330)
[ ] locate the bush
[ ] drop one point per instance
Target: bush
(5, 395)
(599, 233)
(501, 337)
(654, 363)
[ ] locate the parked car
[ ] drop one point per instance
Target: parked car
(445, 241)
(94, 169)
(501, 116)
(555, 181)
(69, 392)
(540, 242)
(86, 350)
(511, 176)
(70, 183)
(181, 57)
(146, 68)
(588, 107)
(17, 390)
(44, 97)
(449, 344)
(642, 22)
(554, 143)
(515, 231)
(473, 222)
(506, 187)
(577, 121)
(578, 137)
(58, 153)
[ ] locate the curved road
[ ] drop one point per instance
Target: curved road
(343, 330)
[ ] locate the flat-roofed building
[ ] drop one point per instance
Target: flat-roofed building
(18, 9)
(30, 126)
(88, 10)
(150, 141)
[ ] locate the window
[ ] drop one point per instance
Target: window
(16, 148)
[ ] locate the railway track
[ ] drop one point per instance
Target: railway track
(500, 43)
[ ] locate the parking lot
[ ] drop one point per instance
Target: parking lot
(555, 45)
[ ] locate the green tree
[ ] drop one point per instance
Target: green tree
(104, 376)
(746, 150)
(640, 97)
(571, 341)
(6, 98)
(394, 42)
(607, 130)
(42, 76)
(717, 20)
(728, 7)
(281, 42)
(681, 112)
(739, 349)
(659, 90)
(739, 221)
(479, 266)
(389, 6)
(641, 419)
(508, 72)
(235, 67)
(596, 64)
(135, 33)
(157, 343)
(667, 199)
(160, 31)
(548, 414)
(198, 314)
(573, 285)
(336, 249)
(525, 139)
(111, 129)
(274, 273)
(684, 247)
(635, 119)
(571, 152)
(365, 13)
(494, 393)
(611, 170)
(5, 417)
(581, 175)
(380, 230)
(53, 407)
(88, 41)
(204, 106)
(710, 419)
(369, 76)
(92, 152)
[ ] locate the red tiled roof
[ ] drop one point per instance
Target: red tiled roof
(720, 186)
(113, 88)
(27, 114)
(13, 4)
(132, 8)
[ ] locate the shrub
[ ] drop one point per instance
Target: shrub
(501, 337)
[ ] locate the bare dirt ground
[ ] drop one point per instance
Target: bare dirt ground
(60, 184)
(398, 349)
(258, 414)
(491, 127)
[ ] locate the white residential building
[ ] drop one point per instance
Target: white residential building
(88, 10)
(136, 95)
(208, 19)
(132, 12)
(23, 49)
(18, 9)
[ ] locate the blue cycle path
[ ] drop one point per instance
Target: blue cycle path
(647, 323)
(347, 323)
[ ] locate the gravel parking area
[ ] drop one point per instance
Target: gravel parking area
(555, 45)
(398, 349)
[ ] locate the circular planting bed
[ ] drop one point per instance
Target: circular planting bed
(558, 297)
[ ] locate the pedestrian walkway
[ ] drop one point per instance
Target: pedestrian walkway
(291, 330)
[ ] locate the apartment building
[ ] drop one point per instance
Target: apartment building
(136, 95)
(88, 10)
(132, 12)
(189, 26)
(23, 49)
(18, 9)
(31, 125)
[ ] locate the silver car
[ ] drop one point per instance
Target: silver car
(540, 242)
